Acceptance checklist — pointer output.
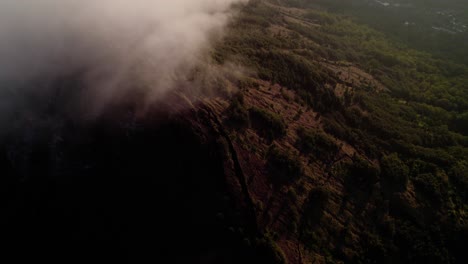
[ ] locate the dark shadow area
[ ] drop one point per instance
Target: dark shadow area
(117, 190)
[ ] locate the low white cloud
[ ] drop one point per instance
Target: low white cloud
(111, 46)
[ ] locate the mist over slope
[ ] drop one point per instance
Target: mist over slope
(108, 46)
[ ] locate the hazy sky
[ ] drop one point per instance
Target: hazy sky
(111, 42)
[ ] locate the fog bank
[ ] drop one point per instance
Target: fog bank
(107, 46)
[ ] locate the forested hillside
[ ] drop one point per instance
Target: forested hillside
(438, 27)
(382, 172)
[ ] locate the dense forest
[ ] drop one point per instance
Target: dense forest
(438, 27)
